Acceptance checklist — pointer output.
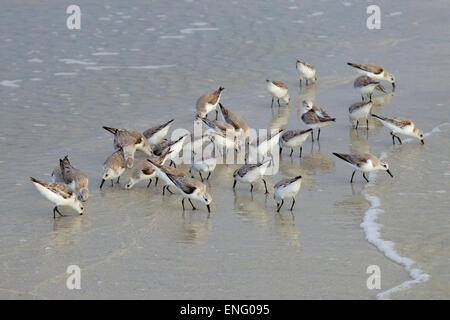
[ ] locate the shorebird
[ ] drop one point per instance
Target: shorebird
(364, 162)
(278, 90)
(59, 194)
(239, 124)
(307, 72)
(264, 145)
(174, 146)
(144, 171)
(157, 134)
(374, 71)
(367, 86)
(205, 164)
(191, 189)
(223, 135)
(293, 139)
(74, 178)
(315, 117)
(113, 167)
(130, 141)
(401, 126)
(57, 175)
(162, 171)
(249, 173)
(208, 102)
(360, 111)
(285, 189)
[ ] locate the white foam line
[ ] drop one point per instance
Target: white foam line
(372, 232)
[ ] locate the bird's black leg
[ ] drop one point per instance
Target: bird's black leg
(272, 103)
(362, 97)
(318, 135)
(357, 123)
(193, 208)
(112, 183)
(208, 175)
(367, 124)
(364, 175)
(101, 184)
(300, 155)
(300, 82)
(251, 188)
(351, 180)
(398, 138)
(281, 204)
(182, 203)
(279, 103)
(118, 179)
(292, 150)
(312, 136)
(234, 184)
(149, 183)
(281, 150)
(164, 189)
(217, 113)
(156, 181)
(393, 138)
(55, 209)
(265, 185)
(167, 187)
(200, 173)
(293, 202)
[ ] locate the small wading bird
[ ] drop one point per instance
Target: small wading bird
(249, 173)
(401, 126)
(315, 117)
(360, 111)
(293, 139)
(374, 71)
(307, 72)
(59, 194)
(208, 102)
(278, 90)
(364, 162)
(367, 86)
(285, 189)
(113, 167)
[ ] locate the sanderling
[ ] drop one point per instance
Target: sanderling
(401, 126)
(75, 178)
(367, 85)
(157, 134)
(208, 102)
(57, 175)
(175, 147)
(59, 194)
(113, 167)
(293, 139)
(360, 111)
(191, 189)
(223, 136)
(144, 171)
(249, 173)
(307, 72)
(374, 71)
(315, 117)
(129, 141)
(237, 122)
(162, 171)
(218, 126)
(206, 164)
(278, 90)
(285, 189)
(364, 162)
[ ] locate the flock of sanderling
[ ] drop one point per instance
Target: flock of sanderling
(70, 185)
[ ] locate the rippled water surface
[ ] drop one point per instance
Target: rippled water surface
(140, 63)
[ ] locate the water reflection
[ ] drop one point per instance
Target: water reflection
(279, 118)
(358, 141)
(65, 229)
(316, 162)
(250, 209)
(194, 228)
(286, 229)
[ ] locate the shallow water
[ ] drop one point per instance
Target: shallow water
(137, 64)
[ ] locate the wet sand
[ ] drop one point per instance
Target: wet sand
(139, 64)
